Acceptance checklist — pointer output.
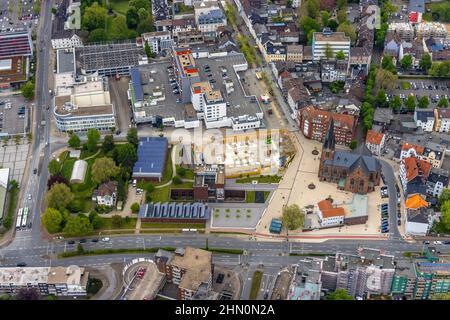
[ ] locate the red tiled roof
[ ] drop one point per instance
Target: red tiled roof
(406, 146)
(374, 137)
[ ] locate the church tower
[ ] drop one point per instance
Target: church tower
(328, 146)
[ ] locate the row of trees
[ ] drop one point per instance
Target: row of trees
(248, 51)
(386, 9)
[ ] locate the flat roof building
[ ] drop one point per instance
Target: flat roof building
(109, 59)
(174, 212)
(329, 40)
(152, 156)
(88, 106)
(60, 281)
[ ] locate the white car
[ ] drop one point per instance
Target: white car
(437, 242)
(29, 196)
(106, 239)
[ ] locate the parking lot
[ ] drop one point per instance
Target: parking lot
(216, 71)
(433, 89)
(16, 13)
(166, 101)
(14, 115)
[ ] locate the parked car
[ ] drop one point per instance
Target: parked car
(21, 264)
(106, 239)
(426, 242)
(71, 242)
(399, 222)
(83, 240)
(94, 240)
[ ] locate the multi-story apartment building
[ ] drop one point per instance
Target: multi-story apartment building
(413, 174)
(424, 119)
(432, 276)
(404, 279)
(88, 106)
(441, 120)
(437, 180)
(375, 142)
(209, 182)
(191, 269)
(209, 16)
(209, 103)
(60, 281)
(314, 124)
(66, 39)
(431, 29)
(404, 30)
(294, 52)
(333, 70)
(158, 40)
(369, 272)
(328, 40)
(432, 153)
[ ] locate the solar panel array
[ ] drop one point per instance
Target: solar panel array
(174, 210)
(152, 153)
(15, 44)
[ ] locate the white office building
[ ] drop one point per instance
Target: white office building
(87, 107)
(158, 41)
(327, 39)
(209, 16)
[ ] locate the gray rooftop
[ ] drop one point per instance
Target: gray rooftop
(65, 61)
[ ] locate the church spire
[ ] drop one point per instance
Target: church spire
(329, 141)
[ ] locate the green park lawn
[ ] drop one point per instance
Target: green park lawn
(107, 224)
(260, 179)
(163, 194)
(189, 173)
(251, 196)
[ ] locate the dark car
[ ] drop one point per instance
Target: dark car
(399, 215)
(94, 240)
(34, 171)
(446, 242)
(71, 242)
(266, 296)
(399, 222)
(83, 241)
(426, 242)
(118, 132)
(21, 264)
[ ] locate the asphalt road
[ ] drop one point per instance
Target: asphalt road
(30, 248)
(36, 185)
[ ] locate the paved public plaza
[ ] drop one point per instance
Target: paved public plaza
(14, 157)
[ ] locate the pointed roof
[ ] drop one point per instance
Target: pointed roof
(416, 202)
(330, 142)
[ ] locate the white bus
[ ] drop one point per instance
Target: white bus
(19, 219)
(25, 217)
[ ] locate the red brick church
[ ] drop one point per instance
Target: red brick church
(357, 171)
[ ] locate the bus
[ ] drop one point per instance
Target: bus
(19, 219)
(25, 217)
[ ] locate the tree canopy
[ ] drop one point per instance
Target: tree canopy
(59, 196)
(93, 137)
(132, 137)
(423, 102)
(78, 225)
(425, 62)
(54, 167)
(348, 29)
(52, 220)
(406, 62)
(94, 17)
(125, 155)
(442, 103)
(28, 90)
(108, 143)
(74, 141)
(292, 217)
(103, 169)
(339, 294)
